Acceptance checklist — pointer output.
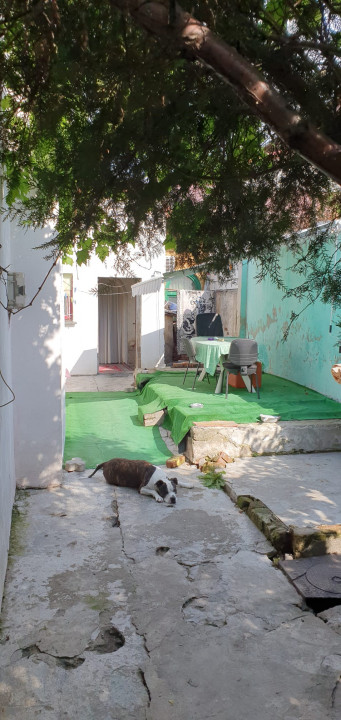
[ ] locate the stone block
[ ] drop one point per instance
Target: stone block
(155, 418)
(209, 439)
(175, 461)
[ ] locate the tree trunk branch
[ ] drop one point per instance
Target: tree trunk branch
(263, 100)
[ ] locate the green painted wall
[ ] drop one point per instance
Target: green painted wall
(308, 354)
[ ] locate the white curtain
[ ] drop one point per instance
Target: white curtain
(113, 301)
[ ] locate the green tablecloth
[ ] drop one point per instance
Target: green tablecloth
(209, 352)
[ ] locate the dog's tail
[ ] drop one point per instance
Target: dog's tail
(97, 468)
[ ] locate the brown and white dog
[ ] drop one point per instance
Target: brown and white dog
(148, 479)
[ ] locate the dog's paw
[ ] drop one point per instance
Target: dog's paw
(159, 499)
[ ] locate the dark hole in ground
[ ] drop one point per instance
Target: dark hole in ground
(109, 640)
(162, 550)
(320, 604)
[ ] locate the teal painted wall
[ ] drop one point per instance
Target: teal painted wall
(308, 354)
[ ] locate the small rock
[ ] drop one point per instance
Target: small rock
(75, 464)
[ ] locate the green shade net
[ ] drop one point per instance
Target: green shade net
(277, 397)
(103, 425)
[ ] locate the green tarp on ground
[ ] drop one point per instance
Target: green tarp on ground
(102, 425)
(277, 397)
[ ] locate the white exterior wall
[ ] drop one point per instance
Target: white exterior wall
(152, 329)
(7, 473)
(80, 339)
(36, 366)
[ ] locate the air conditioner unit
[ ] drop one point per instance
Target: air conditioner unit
(16, 290)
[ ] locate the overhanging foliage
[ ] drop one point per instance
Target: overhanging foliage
(109, 129)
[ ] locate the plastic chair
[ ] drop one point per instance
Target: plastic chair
(207, 324)
(242, 359)
(190, 352)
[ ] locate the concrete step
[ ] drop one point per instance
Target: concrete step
(252, 439)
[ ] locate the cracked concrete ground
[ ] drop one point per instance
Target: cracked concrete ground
(120, 608)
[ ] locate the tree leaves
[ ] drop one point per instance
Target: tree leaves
(109, 132)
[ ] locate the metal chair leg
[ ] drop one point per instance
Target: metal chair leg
(196, 375)
(183, 382)
(227, 384)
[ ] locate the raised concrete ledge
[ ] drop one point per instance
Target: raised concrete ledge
(300, 542)
(303, 436)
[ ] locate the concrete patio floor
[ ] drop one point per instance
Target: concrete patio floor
(119, 608)
(120, 381)
(301, 490)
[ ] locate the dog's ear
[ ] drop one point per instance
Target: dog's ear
(161, 488)
(174, 482)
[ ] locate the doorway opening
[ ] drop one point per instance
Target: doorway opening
(116, 325)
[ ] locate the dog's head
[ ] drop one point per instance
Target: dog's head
(166, 488)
